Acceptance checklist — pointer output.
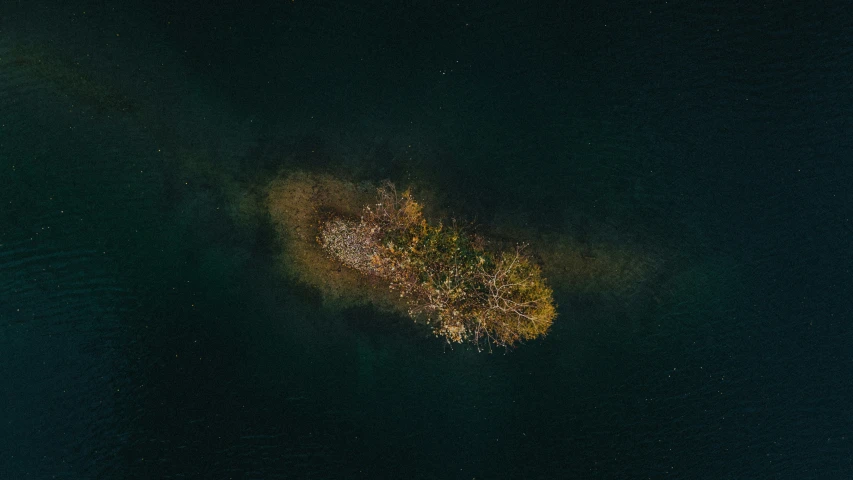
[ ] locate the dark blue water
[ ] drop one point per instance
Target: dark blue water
(147, 330)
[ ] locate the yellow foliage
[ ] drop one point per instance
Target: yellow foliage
(494, 297)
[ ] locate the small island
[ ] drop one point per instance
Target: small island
(468, 288)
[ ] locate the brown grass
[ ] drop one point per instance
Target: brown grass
(297, 205)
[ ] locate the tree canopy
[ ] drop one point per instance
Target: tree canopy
(469, 289)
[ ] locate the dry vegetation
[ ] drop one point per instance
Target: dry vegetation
(469, 290)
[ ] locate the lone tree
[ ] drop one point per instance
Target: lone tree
(467, 289)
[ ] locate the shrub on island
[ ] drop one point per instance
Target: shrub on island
(468, 289)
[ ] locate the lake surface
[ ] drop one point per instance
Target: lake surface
(147, 329)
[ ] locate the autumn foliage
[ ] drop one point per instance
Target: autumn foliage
(467, 288)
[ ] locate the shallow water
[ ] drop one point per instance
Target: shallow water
(696, 153)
